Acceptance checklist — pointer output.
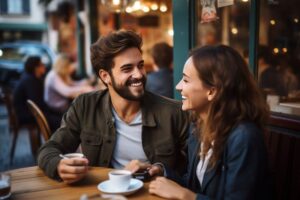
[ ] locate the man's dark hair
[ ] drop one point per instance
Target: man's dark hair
(31, 63)
(162, 54)
(107, 47)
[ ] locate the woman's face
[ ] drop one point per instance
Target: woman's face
(195, 96)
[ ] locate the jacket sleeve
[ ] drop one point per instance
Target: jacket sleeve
(65, 140)
(183, 128)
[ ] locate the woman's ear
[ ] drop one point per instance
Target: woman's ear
(104, 76)
(211, 93)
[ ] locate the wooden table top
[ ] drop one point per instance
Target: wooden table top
(31, 183)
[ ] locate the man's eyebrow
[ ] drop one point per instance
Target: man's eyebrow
(131, 64)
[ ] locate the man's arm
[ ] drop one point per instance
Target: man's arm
(65, 140)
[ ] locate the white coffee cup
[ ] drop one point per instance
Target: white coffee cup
(72, 155)
(119, 180)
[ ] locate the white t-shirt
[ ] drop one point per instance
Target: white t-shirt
(128, 141)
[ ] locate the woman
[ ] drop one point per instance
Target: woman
(60, 89)
(227, 156)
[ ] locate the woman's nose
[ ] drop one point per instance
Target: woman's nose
(179, 86)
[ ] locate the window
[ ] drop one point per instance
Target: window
(14, 7)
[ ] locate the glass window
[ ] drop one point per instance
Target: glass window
(229, 26)
(278, 55)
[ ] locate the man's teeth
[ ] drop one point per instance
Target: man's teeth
(183, 97)
(136, 84)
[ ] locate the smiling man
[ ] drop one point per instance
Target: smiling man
(119, 124)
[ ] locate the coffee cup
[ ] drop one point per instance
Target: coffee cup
(119, 180)
(4, 186)
(72, 155)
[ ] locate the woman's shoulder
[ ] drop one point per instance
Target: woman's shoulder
(245, 132)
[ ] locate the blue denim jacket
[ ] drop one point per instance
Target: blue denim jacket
(242, 172)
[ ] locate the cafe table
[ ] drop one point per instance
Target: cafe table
(31, 183)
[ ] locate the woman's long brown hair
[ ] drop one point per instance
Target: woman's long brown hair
(238, 97)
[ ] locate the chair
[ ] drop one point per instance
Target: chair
(40, 118)
(14, 126)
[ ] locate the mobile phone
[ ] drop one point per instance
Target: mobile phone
(142, 175)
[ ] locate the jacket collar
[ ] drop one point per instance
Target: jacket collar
(148, 118)
(209, 174)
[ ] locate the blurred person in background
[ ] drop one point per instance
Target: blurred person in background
(161, 80)
(60, 89)
(269, 78)
(31, 86)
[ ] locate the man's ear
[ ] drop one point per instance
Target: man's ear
(104, 76)
(211, 93)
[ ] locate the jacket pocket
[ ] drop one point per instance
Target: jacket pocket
(90, 138)
(164, 150)
(91, 145)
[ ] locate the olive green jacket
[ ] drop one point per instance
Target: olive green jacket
(89, 123)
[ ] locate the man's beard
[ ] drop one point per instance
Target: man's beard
(124, 91)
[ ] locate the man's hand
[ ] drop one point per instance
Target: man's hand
(73, 169)
(136, 165)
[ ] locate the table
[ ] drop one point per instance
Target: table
(31, 183)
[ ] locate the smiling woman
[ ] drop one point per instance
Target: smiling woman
(227, 156)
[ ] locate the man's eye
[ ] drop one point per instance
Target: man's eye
(141, 65)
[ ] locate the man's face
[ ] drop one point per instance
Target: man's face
(128, 76)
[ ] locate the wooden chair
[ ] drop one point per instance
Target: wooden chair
(15, 127)
(40, 118)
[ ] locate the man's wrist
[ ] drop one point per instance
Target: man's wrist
(161, 167)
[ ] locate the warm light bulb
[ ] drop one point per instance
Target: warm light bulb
(128, 9)
(136, 5)
(296, 20)
(163, 8)
(272, 22)
(234, 31)
(146, 9)
(276, 50)
(285, 50)
(170, 32)
(244, 0)
(116, 2)
(1, 52)
(154, 6)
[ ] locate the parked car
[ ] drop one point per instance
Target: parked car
(13, 55)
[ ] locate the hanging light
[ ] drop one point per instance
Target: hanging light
(115, 5)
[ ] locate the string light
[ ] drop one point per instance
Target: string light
(276, 50)
(272, 22)
(234, 31)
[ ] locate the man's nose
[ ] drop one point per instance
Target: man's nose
(138, 73)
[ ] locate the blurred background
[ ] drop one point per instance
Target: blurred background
(266, 33)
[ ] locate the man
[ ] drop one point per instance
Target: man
(161, 80)
(120, 124)
(31, 86)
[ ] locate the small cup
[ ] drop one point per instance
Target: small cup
(72, 155)
(119, 180)
(4, 185)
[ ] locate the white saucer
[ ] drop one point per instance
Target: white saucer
(134, 186)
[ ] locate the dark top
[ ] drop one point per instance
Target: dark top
(241, 173)
(89, 123)
(270, 79)
(30, 87)
(161, 82)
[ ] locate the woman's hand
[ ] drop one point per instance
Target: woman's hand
(169, 189)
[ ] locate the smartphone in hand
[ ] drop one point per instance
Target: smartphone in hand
(142, 175)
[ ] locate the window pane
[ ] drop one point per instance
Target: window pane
(279, 55)
(230, 28)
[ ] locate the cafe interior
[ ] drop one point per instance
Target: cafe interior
(254, 28)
